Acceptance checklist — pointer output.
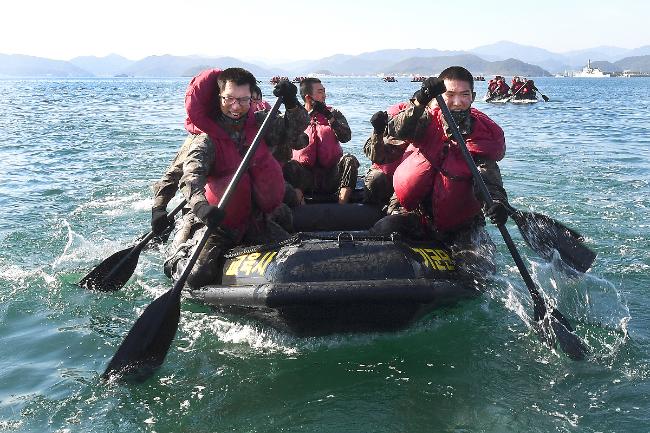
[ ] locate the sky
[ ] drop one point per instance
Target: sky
(282, 30)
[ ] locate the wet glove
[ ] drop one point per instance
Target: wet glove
(498, 213)
(379, 121)
(431, 87)
(288, 91)
(210, 215)
(321, 108)
(159, 220)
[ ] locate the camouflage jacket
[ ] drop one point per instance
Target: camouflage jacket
(383, 149)
(339, 124)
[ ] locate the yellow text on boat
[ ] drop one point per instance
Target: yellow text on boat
(253, 263)
(436, 258)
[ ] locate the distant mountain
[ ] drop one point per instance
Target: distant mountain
(603, 53)
(103, 66)
(606, 66)
(475, 64)
(641, 51)
(556, 62)
(635, 64)
(177, 66)
(396, 55)
(18, 65)
(507, 50)
(506, 58)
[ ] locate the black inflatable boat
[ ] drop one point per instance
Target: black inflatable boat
(333, 277)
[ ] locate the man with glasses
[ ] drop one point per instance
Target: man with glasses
(225, 126)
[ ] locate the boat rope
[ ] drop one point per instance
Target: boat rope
(302, 236)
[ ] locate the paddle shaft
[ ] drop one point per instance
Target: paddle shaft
(518, 90)
(555, 321)
(148, 341)
(540, 307)
(544, 97)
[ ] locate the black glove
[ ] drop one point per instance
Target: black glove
(210, 215)
(319, 107)
(379, 120)
(288, 91)
(431, 87)
(498, 213)
(159, 220)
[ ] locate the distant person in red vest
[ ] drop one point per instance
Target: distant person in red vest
(492, 87)
(502, 88)
(516, 88)
(321, 166)
(433, 183)
(529, 89)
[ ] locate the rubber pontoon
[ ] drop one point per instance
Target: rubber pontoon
(318, 283)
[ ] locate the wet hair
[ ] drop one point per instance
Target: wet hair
(239, 76)
(458, 73)
(307, 85)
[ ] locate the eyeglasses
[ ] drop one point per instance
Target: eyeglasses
(229, 100)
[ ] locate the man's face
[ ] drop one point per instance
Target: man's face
(459, 95)
(318, 92)
(235, 100)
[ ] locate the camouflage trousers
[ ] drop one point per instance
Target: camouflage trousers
(207, 269)
(377, 188)
(318, 180)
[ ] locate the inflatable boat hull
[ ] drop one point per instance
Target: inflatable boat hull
(318, 284)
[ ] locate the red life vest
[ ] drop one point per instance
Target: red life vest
(435, 165)
(389, 168)
(260, 105)
(263, 181)
(324, 149)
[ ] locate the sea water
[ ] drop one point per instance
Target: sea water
(78, 158)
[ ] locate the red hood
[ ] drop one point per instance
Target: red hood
(394, 109)
(201, 102)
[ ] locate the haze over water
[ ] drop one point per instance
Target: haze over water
(79, 157)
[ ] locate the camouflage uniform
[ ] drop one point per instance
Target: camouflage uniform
(380, 149)
(471, 245)
(165, 189)
(342, 175)
(411, 124)
(284, 130)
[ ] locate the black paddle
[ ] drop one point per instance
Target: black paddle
(553, 325)
(111, 274)
(544, 97)
(145, 346)
(545, 235)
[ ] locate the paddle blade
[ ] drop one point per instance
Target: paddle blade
(111, 274)
(147, 343)
(569, 342)
(545, 98)
(554, 329)
(545, 235)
